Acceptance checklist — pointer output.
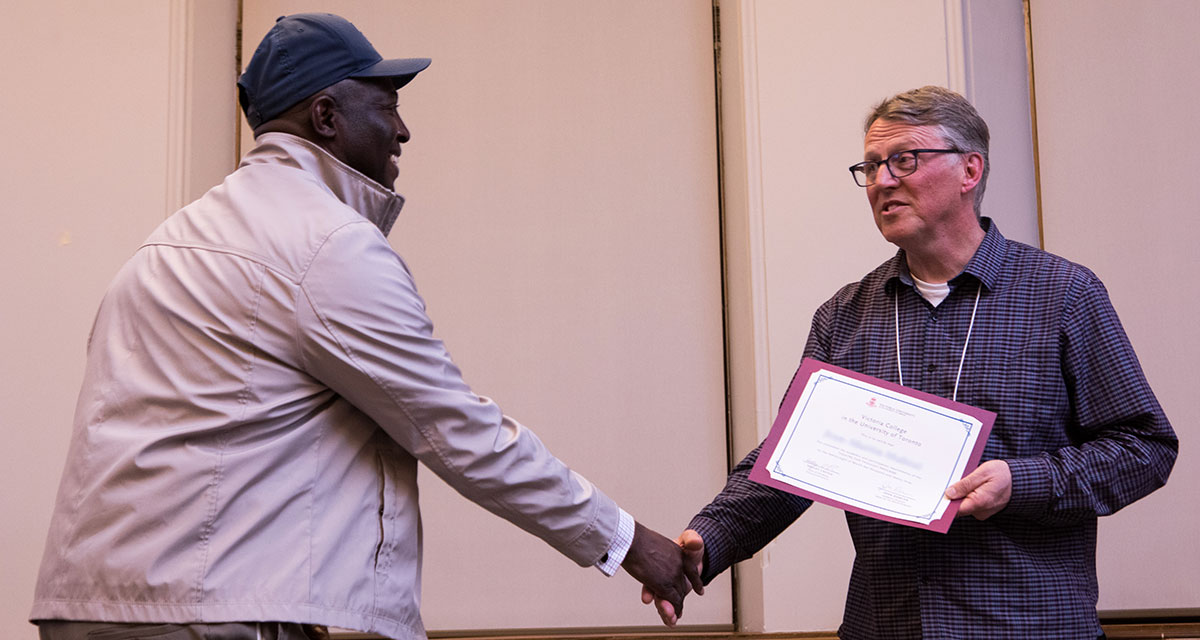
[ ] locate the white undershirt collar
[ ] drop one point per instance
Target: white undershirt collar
(934, 292)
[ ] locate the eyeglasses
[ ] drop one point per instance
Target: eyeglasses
(899, 164)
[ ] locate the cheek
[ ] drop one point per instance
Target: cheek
(872, 197)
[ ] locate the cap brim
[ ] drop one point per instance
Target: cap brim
(400, 70)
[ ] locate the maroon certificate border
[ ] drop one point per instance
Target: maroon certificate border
(809, 367)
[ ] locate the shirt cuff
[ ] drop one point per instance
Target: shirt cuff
(1032, 487)
(621, 542)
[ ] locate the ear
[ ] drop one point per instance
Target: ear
(972, 170)
(321, 114)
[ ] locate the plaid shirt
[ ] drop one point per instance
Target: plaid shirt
(1076, 421)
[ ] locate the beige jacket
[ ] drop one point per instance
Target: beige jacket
(261, 381)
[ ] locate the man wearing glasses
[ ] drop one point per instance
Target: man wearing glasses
(1078, 434)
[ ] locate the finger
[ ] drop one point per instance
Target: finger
(979, 504)
(962, 488)
(692, 573)
(693, 550)
(690, 539)
(674, 597)
(666, 612)
(647, 597)
(983, 510)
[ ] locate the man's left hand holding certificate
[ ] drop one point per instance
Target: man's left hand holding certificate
(872, 447)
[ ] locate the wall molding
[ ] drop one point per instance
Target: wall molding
(179, 104)
(1184, 630)
(744, 222)
(756, 219)
(956, 49)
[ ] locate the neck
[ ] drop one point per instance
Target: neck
(939, 261)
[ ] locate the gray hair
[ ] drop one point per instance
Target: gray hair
(956, 120)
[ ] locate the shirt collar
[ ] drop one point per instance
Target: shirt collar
(984, 266)
(988, 260)
(355, 190)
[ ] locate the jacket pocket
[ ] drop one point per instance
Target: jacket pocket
(386, 515)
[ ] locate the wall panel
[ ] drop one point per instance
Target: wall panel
(802, 80)
(562, 225)
(97, 97)
(1117, 150)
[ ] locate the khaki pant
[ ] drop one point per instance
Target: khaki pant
(67, 630)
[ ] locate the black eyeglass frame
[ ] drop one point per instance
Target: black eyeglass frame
(860, 168)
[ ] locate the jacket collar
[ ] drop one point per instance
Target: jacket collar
(355, 190)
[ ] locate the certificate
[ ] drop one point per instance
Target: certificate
(871, 447)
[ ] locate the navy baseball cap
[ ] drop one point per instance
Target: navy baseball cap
(307, 52)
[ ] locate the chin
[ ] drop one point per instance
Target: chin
(888, 226)
(387, 182)
(893, 232)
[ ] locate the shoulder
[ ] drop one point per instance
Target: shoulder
(1045, 284)
(1046, 271)
(869, 288)
(272, 213)
(855, 302)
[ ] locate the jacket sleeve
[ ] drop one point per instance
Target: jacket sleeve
(1124, 447)
(363, 332)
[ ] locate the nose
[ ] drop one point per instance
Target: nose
(884, 177)
(402, 133)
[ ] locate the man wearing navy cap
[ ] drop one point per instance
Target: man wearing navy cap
(262, 380)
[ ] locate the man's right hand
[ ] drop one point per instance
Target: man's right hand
(692, 546)
(664, 569)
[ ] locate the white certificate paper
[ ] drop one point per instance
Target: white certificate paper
(872, 447)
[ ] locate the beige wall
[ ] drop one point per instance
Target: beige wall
(799, 80)
(562, 224)
(796, 92)
(95, 155)
(1117, 147)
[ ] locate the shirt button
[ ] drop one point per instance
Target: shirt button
(932, 367)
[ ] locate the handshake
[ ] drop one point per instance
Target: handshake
(667, 570)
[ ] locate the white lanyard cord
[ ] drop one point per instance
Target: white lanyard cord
(966, 342)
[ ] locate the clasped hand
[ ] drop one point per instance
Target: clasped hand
(667, 570)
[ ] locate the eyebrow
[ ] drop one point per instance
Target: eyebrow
(908, 144)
